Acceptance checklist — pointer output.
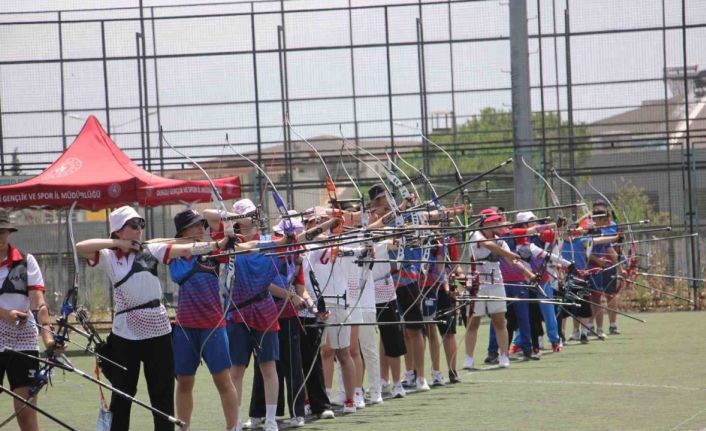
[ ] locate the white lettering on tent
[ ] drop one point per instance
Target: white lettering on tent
(182, 190)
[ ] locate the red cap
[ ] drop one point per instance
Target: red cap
(490, 215)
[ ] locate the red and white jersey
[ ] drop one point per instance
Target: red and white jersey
(140, 288)
(23, 336)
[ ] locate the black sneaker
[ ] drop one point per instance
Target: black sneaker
(613, 330)
(453, 377)
(584, 338)
(491, 359)
(528, 355)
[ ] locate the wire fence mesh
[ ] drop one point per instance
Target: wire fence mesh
(617, 93)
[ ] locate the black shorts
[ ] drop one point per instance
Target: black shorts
(391, 335)
(449, 320)
(410, 308)
(20, 369)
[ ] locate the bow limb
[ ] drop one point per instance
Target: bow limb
(330, 185)
(631, 258)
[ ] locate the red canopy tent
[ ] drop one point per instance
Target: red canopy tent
(97, 173)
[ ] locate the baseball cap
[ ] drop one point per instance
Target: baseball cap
(525, 217)
(490, 215)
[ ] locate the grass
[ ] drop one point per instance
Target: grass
(650, 378)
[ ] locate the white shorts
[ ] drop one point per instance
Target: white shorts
(338, 337)
(481, 308)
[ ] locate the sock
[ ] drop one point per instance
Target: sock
(613, 325)
(271, 412)
(329, 392)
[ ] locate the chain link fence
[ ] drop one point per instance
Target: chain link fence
(617, 93)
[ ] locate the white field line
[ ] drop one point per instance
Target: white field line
(584, 383)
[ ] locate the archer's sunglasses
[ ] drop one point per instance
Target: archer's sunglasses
(135, 223)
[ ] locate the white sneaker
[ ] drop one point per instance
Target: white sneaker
(409, 378)
(375, 397)
(327, 414)
(504, 361)
(271, 425)
(359, 399)
(468, 363)
(385, 387)
(296, 422)
(338, 398)
(349, 408)
(437, 379)
(398, 391)
(575, 336)
(422, 384)
(253, 423)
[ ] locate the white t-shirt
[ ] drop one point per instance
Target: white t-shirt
(25, 335)
(361, 291)
(380, 276)
(140, 288)
(480, 252)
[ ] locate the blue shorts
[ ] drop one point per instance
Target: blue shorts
(188, 345)
(244, 342)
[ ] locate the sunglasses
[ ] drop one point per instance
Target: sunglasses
(135, 223)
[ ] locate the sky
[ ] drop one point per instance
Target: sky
(480, 68)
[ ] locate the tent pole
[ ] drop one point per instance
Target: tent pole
(59, 278)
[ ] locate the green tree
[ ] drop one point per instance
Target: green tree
(486, 140)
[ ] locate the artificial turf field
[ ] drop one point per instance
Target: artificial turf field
(651, 377)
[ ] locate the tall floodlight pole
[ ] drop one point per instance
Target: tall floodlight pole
(521, 106)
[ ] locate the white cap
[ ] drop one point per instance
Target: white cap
(296, 223)
(316, 213)
(119, 216)
(525, 217)
(244, 206)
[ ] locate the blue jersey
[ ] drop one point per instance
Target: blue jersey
(575, 251)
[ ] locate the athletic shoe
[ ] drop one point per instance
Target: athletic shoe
(422, 384)
(613, 330)
(271, 425)
(537, 352)
(575, 336)
(437, 379)
(410, 377)
(338, 398)
(296, 422)
(514, 350)
(468, 363)
(453, 377)
(492, 358)
(385, 387)
(398, 391)
(557, 347)
(528, 355)
(359, 399)
(584, 338)
(326, 414)
(601, 334)
(253, 423)
(349, 407)
(375, 397)
(503, 361)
